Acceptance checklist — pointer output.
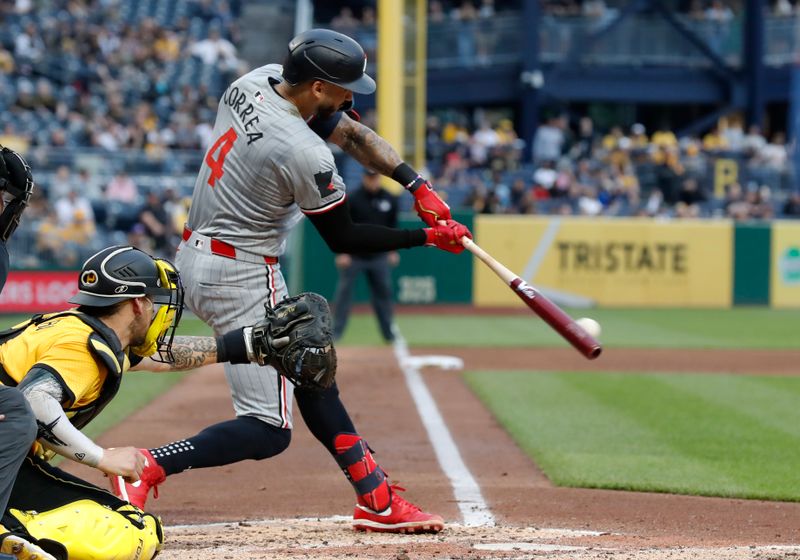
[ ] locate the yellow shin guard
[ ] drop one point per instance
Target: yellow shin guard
(90, 531)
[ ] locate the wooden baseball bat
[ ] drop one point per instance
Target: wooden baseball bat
(552, 314)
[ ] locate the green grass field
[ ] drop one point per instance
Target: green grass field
(715, 435)
(718, 435)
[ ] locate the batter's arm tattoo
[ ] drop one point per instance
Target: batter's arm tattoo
(365, 145)
(190, 352)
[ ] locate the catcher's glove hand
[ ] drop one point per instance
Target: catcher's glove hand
(296, 338)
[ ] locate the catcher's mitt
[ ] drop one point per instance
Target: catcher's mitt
(296, 338)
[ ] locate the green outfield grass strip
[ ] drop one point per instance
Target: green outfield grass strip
(712, 435)
(632, 328)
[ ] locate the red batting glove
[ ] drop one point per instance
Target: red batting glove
(447, 236)
(430, 208)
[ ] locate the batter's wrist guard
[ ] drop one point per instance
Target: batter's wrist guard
(406, 176)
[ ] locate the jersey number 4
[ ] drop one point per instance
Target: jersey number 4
(224, 144)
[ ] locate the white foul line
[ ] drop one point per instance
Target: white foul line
(465, 489)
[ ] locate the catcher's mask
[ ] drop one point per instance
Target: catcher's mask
(120, 273)
(16, 186)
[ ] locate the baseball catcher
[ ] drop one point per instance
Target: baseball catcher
(70, 364)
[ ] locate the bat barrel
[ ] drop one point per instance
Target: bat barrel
(554, 316)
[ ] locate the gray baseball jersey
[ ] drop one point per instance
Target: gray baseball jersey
(265, 163)
(264, 168)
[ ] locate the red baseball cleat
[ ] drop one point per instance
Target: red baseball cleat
(136, 492)
(400, 517)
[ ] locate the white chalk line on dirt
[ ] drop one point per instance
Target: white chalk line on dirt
(474, 509)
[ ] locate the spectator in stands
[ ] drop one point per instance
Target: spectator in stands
(481, 142)
(753, 142)
(88, 185)
(584, 144)
(715, 140)
(122, 188)
(588, 203)
(664, 137)
(774, 154)
(638, 137)
(719, 15)
(50, 245)
(345, 22)
(28, 45)
(78, 235)
(521, 200)
(62, 183)
(74, 206)
(166, 46)
(691, 195)
(654, 205)
(734, 203)
(466, 17)
(694, 160)
(367, 34)
(138, 237)
(791, 208)
(485, 34)
(216, 51)
(759, 199)
(158, 224)
(548, 142)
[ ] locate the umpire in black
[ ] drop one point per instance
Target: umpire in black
(370, 204)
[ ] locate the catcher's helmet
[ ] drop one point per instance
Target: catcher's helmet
(322, 54)
(16, 186)
(122, 272)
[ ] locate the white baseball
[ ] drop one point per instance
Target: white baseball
(590, 326)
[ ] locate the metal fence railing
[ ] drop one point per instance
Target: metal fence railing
(638, 39)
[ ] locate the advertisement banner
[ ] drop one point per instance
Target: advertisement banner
(785, 277)
(612, 262)
(37, 291)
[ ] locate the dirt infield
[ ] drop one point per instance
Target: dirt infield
(260, 508)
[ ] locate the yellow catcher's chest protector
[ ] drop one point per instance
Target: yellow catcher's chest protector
(90, 531)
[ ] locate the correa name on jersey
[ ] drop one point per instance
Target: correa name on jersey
(235, 99)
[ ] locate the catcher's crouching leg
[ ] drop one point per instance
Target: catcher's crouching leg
(90, 531)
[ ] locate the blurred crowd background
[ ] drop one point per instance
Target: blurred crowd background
(113, 103)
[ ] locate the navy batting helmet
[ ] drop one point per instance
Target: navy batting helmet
(322, 54)
(16, 186)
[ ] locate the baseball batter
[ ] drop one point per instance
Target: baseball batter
(268, 167)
